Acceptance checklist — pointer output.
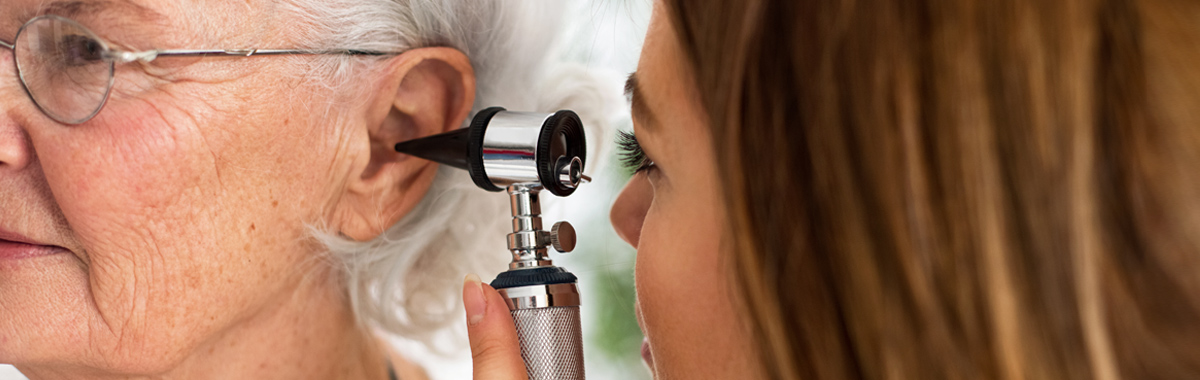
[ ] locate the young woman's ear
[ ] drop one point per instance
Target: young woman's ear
(424, 92)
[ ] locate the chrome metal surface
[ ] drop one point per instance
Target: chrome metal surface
(528, 254)
(551, 342)
(526, 199)
(528, 241)
(526, 224)
(570, 171)
(532, 263)
(536, 296)
(510, 147)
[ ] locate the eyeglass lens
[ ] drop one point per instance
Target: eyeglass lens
(64, 69)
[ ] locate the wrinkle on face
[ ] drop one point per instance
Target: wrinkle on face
(76, 8)
(159, 191)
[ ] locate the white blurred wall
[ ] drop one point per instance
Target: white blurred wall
(7, 372)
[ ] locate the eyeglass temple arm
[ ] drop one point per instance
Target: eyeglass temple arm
(6, 44)
(150, 55)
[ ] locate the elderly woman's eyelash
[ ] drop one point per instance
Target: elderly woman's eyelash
(633, 157)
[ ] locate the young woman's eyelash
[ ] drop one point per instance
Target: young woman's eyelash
(632, 157)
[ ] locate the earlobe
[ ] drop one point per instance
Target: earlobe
(424, 92)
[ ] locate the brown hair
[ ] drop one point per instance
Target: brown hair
(959, 189)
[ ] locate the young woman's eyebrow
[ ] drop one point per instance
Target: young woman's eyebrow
(637, 101)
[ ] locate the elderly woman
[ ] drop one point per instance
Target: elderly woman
(203, 189)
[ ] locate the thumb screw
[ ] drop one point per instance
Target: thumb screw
(562, 236)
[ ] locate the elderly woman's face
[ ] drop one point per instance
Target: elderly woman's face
(180, 211)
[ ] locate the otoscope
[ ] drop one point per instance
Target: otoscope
(526, 153)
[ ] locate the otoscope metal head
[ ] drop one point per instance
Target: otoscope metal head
(503, 148)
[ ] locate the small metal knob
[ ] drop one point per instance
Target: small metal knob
(562, 236)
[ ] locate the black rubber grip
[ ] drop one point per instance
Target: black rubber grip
(566, 124)
(475, 148)
(533, 276)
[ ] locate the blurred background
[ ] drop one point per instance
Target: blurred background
(603, 38)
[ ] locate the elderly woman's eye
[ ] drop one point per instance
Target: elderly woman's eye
(79, 50)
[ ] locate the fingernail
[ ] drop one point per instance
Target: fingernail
(473, 299)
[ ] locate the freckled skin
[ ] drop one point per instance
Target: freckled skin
(184, 206)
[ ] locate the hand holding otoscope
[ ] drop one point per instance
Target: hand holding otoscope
(526, 153)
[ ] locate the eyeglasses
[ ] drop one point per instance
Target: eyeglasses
(68, 71)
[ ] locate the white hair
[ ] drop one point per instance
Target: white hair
(407, 281)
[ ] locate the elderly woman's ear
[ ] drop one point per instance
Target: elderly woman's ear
(422, 92)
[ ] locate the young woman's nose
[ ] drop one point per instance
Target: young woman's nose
(630, 209)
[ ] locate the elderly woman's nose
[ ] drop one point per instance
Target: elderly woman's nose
(15, 149)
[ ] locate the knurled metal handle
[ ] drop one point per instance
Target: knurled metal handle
(551, 342)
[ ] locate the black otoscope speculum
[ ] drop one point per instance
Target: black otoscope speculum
(525, 153)
(503, 148)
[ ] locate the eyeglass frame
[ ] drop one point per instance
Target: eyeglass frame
(117, 56)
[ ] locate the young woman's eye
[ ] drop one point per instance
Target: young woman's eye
(633, 157)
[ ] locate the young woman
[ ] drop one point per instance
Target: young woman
(930, 189)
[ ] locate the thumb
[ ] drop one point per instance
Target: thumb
(495, 351)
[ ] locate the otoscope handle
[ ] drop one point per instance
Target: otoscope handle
(551, 342)
(547, 320)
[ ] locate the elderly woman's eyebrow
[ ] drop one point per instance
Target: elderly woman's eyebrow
(76, 8)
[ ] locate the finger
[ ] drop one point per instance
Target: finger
(495, 351)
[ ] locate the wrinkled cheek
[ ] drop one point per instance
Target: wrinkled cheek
(39, 305)
(132, 190)
(111, 177)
